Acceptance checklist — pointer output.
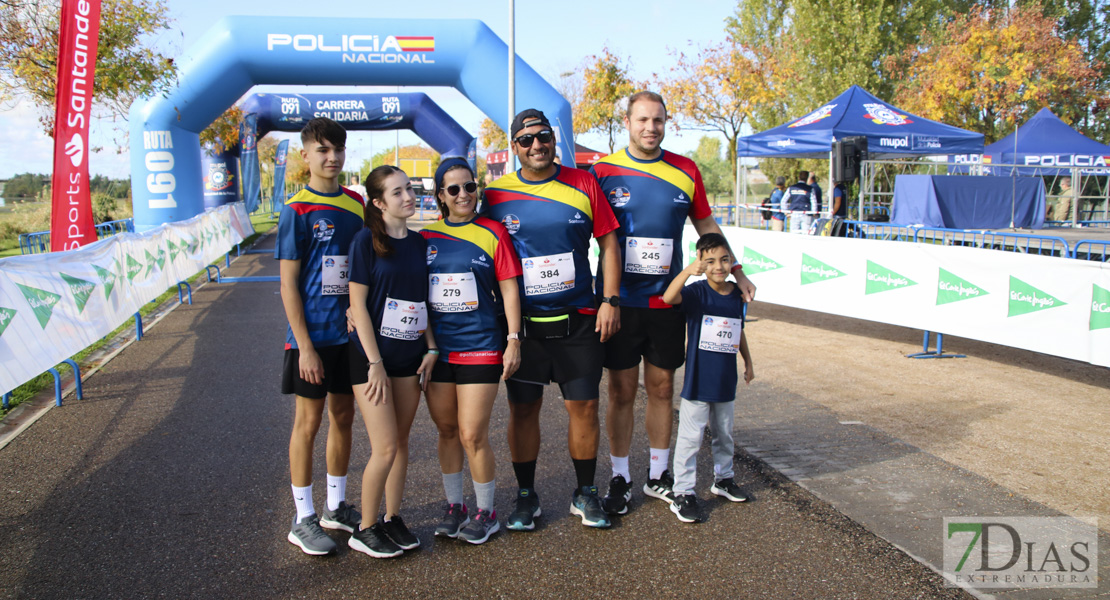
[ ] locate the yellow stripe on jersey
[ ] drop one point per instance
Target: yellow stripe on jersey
(667, 172)
(342, 201)
(475, 234)
(510, 187)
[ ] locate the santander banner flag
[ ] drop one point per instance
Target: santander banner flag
(71, 218)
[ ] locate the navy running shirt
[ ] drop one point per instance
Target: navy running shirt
(714, 324)
(397, 299)
(316, 229)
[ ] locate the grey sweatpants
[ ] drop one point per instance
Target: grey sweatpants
(693, 416)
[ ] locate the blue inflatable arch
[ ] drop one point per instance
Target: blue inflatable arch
(241, 52)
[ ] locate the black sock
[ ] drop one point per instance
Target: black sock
(525, 474)
(584, 470)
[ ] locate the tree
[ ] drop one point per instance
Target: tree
(223, 133)
(1086, 23)
(990, 70)
(25, 185)
(716, 90)
(715, 172)
(491, 137)
(606, 85)
(126, 66)
(296, 169)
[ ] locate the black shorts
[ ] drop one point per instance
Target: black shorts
(359, 365)
(574, 362)
(657, 334)
(445, 372)
(337, 373)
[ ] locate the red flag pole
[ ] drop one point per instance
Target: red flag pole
(71, 218)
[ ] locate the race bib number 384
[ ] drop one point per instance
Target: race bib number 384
(548, 274)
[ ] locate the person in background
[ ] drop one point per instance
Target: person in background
(801, 202)
(778, 218)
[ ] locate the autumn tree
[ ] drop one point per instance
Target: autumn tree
(606, 85)
(223, 133)
(715, 172)
(127, 66)
(491, 137)
(296, 169)
(990, 70)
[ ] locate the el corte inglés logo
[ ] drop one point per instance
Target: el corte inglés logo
(814, 271)
(1025, 298)
(951, 288)
(80, 289)
(1100, 308)
(6, 316)
(41, 302)
(882, 279)
(755, 262)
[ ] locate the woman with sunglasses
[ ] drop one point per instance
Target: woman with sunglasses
(391, 352)
(472, 271)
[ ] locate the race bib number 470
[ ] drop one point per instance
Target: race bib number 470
(548, 274)
(404, 320)
(720, 334)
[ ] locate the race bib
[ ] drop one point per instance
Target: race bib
(720, 334)
(548, 274)
(336, 272)
(648, 256)
(404, 320)
(452, 292)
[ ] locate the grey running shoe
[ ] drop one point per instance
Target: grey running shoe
(375, 542)
(661, 488)
(686, 507)
(620, 493)
(727, 488)
(311, 538)
(346, 517)
(453, 521)
(396, 530)
(483, 525)
(587, 505)
(527, 509)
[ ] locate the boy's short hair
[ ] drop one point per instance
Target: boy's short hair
(711, 241)
(803, 176)
(323, 129)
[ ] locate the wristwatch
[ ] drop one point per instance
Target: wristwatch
(614, 301)
(513, 336)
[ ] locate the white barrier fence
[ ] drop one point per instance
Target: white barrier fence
(1057, 306)
(54, 305)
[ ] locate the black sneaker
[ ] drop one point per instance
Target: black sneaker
(375, 542)
(587, 505)
(523, 517)
(686, 507)
(727, 488)
(661, 488)
(454, 520)
(620, 493)
(396, 530)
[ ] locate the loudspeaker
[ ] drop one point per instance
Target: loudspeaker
(848, 153)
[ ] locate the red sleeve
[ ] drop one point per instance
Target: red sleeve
(604, 219)
(699, 208)
(506, 264)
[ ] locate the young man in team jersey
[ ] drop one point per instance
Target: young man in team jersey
(652, 193)
(551, 212)
(314, 233)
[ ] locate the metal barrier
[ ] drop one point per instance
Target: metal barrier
(39, 242)
(1022, 243)
(1096, 250)
(110, 228)
(870, 230)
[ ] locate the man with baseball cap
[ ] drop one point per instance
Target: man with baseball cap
(551, 212)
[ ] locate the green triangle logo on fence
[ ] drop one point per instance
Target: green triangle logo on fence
(1025, 298)
(174, 250)
(7, 315)
(951, 288)
(882, 279)
(80, 289)
(814, 271)
(42, 302)
(755, 262)
(1100, 308)
(133, 268)
(150, 263)
(161, 260)
(192, 247)
(107, 279)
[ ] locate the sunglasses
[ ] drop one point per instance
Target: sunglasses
(544, 137)
(453, 190)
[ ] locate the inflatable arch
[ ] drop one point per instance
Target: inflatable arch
(241, 52)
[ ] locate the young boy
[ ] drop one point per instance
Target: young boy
(714, 334)
(314, 233)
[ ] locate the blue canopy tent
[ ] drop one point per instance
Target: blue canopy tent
(1045, 145)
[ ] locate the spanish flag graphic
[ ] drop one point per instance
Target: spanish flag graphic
(417, 44)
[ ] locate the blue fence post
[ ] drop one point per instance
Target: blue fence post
(58, 381)
(187, 288)
(138, 326)
(7, 400)
(939, 353)
(208, 272)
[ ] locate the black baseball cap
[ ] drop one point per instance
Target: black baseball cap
(446, 165)
(527, 118)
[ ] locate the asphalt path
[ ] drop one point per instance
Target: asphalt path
(170, 479)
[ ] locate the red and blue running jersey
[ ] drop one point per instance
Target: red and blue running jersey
(465, 263)
(551, 223)
(317, 229)
(714, 324)
(397, 298)
(651, 199)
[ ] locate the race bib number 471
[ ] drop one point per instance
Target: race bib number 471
(404, 320)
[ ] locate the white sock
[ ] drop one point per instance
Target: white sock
(484, 493)
(659, 461)
(453, 487)
(620, 467)
(337, 491)
(302, 497)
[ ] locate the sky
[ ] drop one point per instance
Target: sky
(552, 38)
